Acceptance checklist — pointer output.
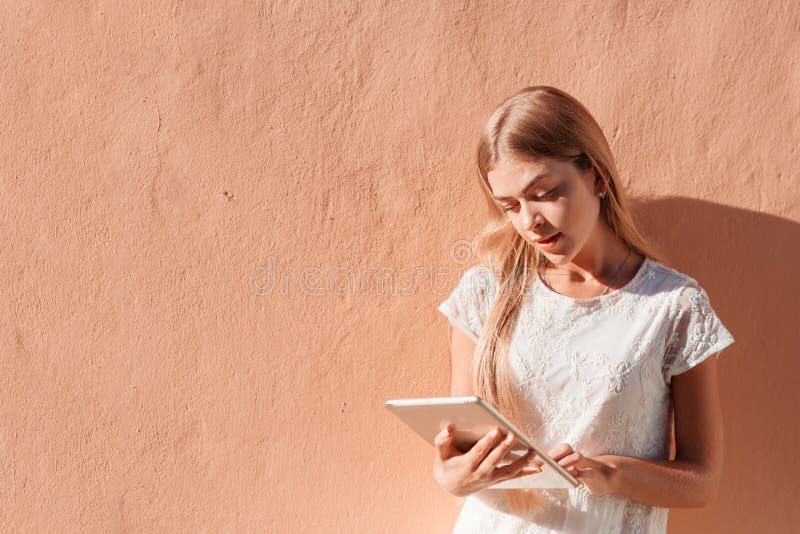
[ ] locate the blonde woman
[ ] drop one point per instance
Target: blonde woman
(573, 327)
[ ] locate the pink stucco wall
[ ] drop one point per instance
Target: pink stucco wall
(165, 163)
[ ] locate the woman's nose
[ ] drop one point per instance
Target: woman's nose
(530, 217)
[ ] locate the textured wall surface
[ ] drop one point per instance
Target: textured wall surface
(198, 198)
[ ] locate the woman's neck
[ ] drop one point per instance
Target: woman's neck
(599, 261)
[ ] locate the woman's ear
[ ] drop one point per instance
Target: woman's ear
(599, 186)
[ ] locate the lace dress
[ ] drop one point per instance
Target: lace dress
(595, 373)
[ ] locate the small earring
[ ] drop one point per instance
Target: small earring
(603, 194)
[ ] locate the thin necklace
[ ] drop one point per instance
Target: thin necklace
(609, 284)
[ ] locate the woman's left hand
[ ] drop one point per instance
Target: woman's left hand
(593, 472)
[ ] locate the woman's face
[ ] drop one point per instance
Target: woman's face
(546, 198)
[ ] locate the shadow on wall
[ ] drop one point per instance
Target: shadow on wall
(748, 263)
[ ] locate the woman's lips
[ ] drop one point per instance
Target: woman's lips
(549, 243)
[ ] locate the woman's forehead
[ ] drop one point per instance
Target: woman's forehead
(511, 176)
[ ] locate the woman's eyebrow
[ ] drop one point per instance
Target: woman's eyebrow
(530, 184)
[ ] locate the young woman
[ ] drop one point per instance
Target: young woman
(574, 329)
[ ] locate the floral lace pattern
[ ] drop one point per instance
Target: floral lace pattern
(595, 373)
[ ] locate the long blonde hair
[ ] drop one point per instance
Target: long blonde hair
(536, 122)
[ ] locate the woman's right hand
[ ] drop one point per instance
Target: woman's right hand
(464, 474)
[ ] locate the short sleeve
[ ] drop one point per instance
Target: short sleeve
(697, 332)
(468, 305)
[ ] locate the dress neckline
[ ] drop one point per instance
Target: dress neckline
(611, 294)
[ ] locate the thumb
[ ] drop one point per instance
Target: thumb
(443, 443)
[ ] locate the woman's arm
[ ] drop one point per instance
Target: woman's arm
(461, 350)
(692, 479)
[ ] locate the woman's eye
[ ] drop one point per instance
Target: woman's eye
(546, 195)
(535, 198)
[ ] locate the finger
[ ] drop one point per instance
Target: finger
(496, 454)
(570, 459)
(574, 471)
(560, 451)
(443, 443)
(479, 451)
(556, 453)
(537, 462)
(530, 467)
(518, 467)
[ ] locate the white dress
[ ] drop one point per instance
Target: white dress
(595, 373)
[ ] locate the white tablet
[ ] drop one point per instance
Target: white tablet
(471, 418)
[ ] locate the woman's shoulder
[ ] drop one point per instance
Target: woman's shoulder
(479, 278)
(677, 287)
(667, 278)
